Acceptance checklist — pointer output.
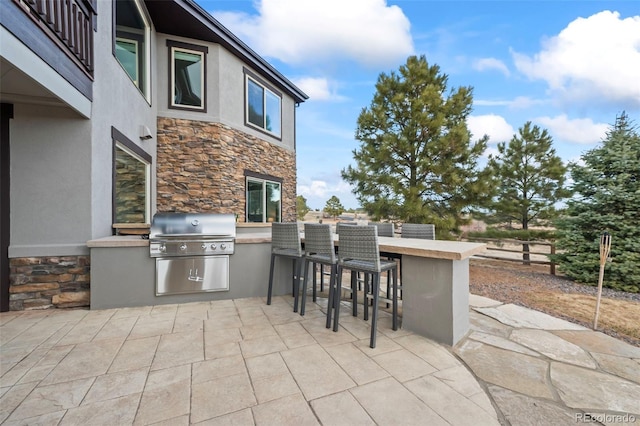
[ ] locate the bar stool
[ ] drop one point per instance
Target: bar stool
(356, 277)
(359, 251)
(319, 249)
(285, 242)
(425, 231)
(387, 229)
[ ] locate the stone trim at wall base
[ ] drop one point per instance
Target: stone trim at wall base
(49, 282)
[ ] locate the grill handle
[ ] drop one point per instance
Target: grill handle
(194, 277)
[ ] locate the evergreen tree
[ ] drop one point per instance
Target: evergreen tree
(529, 178)
(333, 207)
(301, 207)
(415, 162)
(608, 199)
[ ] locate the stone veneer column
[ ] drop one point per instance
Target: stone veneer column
(201, 165)
(45, 282)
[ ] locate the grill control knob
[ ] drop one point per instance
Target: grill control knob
(203, 246)
(223, 246)
(162, 248)
(183, 246)
(213, 247)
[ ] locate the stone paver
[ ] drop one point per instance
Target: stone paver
(520, 317)
(588, 389)
(511, 370)
(245, 363)
(229, 362)
(523, 410)
(569, 374)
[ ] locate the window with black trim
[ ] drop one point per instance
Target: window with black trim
(263, 107)
(263, 199)
(187, 70)
(131, 42)
(131, 181)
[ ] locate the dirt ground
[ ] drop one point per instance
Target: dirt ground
(533, 287)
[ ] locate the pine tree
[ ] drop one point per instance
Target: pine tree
(301, 207)
(415, 162)
(333, 207)
(529, 178)
(608, 199)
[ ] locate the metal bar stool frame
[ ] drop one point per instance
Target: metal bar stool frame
(356, 278)
(318, 249)
(285, 242)
(387, 229)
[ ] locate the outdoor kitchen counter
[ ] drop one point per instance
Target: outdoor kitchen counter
(119, 241)
(123, 273)
(435, 285)
(435, 278)
(435, 249)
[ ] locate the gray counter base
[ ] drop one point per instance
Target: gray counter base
(125, 277)
(435, 298)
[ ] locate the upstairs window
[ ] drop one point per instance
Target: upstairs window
(131, 44)
(264, 199)
(263, 107)
(188, 70)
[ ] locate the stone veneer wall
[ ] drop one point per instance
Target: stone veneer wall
(46, 282)
(201, 165)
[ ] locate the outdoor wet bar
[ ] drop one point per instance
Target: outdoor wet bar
(435, 278)
(435, 285)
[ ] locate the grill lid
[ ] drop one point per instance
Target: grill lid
(193, 225)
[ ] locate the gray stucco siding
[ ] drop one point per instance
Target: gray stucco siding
(50, 185)
(117, 103)
(225, 92)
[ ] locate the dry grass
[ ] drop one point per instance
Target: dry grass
(533, 287)
(619, 316)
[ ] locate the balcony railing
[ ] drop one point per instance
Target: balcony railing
(69, 23)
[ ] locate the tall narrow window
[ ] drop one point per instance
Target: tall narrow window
(188, 71)
(131, 181)
(263, 107)
(131, 44)
(264, 200)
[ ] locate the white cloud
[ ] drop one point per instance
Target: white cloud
(317, 188)
(495, 126)
(524, 102)
(491, 64)
(578, 130)
(519, 102)
(595, 58)
(367, 31)
(317, 192)
(317, 88)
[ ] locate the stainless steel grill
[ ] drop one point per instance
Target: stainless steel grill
(192, 251)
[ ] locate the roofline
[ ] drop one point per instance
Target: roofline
(240, 49)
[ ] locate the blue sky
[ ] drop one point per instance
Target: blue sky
(568, 66)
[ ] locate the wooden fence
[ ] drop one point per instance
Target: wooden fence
(503, 248)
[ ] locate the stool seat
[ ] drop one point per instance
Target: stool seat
(368, 267)
(285, 252)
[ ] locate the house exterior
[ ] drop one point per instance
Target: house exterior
(112, 111)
